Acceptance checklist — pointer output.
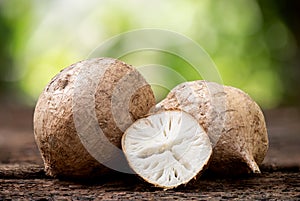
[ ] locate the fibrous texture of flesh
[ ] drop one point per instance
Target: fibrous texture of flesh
(167, 149)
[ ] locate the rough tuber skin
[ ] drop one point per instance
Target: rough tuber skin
(120, 86)
(233, 121)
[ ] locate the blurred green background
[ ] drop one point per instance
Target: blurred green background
(254, 44)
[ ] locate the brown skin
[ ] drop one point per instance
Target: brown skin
(234, 122)
(244, 141)
(54, 128)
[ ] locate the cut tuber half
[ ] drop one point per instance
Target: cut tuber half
(167, 149)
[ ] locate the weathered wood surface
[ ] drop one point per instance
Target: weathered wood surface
(281, 184)
(22, 175)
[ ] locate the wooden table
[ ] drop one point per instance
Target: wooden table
(22, 175)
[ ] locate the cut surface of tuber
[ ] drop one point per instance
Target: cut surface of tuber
(167, 149)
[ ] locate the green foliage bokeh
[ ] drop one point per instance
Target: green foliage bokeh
(45, 36)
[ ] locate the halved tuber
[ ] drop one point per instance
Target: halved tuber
(81, 115)
(167, 149)
(233, 121)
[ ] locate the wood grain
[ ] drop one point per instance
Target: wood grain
(22, 175)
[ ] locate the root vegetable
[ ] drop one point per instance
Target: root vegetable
(167, 149)
(233, 121)
(80, 116)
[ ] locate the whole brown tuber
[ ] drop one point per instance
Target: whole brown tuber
(82, 113)
(233, 121)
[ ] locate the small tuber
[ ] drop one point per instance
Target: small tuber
(233, 121)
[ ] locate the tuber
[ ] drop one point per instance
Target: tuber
(233, 121)
(86, 99)
(167, 149)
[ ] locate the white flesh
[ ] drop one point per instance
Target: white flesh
(167, 149)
